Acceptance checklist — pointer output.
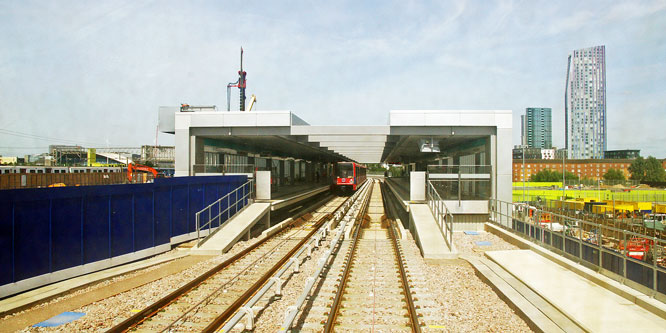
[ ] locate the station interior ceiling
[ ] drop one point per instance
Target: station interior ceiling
(358, 148)
(276, 146)
(407, 148)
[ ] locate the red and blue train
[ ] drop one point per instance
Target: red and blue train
(348, 176)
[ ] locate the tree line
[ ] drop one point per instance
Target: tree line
(642, 169)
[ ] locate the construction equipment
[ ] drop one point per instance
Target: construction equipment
(253, 100)
(133, 168)
(241, 84)
(638, 248)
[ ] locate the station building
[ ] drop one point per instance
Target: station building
(465, 153)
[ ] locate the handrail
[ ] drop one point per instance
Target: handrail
(459, 168)
(442, 214)
(542, 231)
(248, 191)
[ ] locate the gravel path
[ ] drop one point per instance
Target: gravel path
(104, 314)
(466, 303)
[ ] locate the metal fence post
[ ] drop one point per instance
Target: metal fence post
(624, 257)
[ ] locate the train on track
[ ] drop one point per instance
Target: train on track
(348, 177)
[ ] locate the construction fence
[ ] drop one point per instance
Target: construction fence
(50, 234)
(11, 181)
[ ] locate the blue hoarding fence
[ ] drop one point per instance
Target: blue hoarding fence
(78, 229)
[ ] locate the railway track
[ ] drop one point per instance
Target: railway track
(210, 299)
(368, 287)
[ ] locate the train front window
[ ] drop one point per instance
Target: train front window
(345, 170)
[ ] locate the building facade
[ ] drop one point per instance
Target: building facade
(585, 103)
(533, 153)
(622, 154)
(538, 130)
(588, 168)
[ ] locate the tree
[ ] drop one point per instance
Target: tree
(654, 171)
(647, 170)
(637, 168)
(551, 176)
(614, 174)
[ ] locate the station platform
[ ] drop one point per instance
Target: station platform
(239, 225)
(428, 236)
(400, 188)
(590, 306)
(292, 194)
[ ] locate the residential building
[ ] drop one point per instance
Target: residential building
(523, 139)
(538, 130)
(585, 103)
(533, 153)
(587, 168)
(622, 154)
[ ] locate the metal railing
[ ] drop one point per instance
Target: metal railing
(226, 168)
(460, 169)
(603, 247)
(443, 216)
(233, 203)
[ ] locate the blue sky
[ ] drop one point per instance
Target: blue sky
(95, 72)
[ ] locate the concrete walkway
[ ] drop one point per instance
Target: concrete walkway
(231, 231)
(304, 192)
(428, 236)
(589, 305)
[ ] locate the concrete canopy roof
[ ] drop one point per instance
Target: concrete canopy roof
(281, 133)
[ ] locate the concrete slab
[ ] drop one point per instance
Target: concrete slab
(234, 229)
(428, 235)
(292, 198)
(591, 306)
(512, 294)
(651, 304)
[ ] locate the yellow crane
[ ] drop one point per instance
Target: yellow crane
(253, 100)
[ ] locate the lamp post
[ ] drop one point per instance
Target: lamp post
(564, 172)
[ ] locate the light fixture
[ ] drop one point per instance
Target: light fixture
(428, 146)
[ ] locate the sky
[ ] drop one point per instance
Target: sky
(94, 73)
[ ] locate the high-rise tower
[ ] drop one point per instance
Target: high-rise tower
(585, 103)
(538, 128)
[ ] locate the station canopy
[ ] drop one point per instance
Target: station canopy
(410, 135)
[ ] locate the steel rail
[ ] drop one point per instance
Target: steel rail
(160, 304)
(332, 315)
(238, 303)
(334, 247)
(256, 287)
(413, 316)
(276, 280)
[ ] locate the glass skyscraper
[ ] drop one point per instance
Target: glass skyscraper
(538, 129)
(585, 103)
